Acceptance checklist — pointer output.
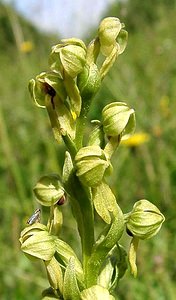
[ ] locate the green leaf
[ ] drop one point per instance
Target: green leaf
(104, 201)
(70, 288)
(96, 292)
(67, 169)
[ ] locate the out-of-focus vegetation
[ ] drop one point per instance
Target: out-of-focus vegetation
(144, 77)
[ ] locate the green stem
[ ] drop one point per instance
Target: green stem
(83, 212)
(80, 126)
(108, 238)
(87, 238)
(70, 145)
(81, 123)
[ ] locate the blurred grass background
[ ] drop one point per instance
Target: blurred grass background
(144, 77)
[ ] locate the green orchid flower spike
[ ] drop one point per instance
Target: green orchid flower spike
(66, 90)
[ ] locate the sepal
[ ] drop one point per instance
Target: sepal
(91, 165)
(69, 57)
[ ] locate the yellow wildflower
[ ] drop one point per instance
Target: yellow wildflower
(26, 46)
(136, 139)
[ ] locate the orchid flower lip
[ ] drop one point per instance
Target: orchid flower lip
(49, 90)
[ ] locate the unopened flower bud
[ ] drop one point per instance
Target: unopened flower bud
(118, 119)
(109, 29)
(89, 81)
(92, 165)
(49, 190)
(70, 56)
(145, 220)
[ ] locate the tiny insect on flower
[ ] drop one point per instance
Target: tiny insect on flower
(35, 217)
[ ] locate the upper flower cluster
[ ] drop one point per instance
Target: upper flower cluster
(74, 76)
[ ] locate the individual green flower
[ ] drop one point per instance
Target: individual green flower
(118, 119)
(69, 56)
(46, 83)
(37, 242)
(49, 190)
(48, 91)
(108, 31)
(113, 41)
(145, 220)
(91, 165)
